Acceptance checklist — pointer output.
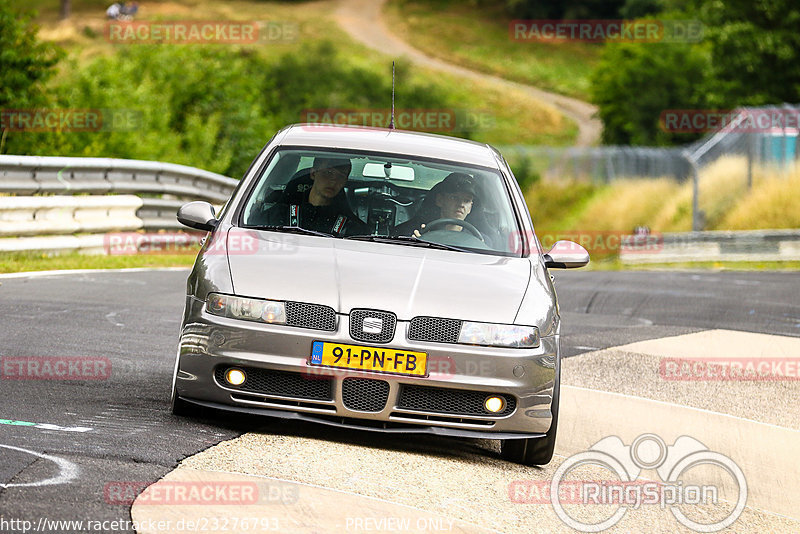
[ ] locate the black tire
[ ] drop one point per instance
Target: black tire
(534, 451)
(182, 408)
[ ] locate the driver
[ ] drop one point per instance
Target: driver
(453, 198)
(323, 207)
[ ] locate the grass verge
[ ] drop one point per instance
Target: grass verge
(666, 206)
(615, 264)
(477, 37)
(503, 116)
(16, 262)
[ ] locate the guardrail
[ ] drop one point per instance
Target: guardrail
(31, 216)
(26, 175)
(110, 195)
(749, 245)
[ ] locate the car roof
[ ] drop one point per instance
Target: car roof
(404, 142)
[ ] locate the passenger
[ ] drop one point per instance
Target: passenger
(323, 207)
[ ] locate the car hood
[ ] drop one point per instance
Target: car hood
(407, 280)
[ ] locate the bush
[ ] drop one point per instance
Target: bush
(25, 64)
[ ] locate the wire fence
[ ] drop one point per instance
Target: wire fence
(763, 137)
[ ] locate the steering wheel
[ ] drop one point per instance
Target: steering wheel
(463, 224)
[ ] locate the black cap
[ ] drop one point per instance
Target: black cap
(458, 182)
(340, 164)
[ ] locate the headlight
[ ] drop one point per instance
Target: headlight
(265, 311)
(499, 335)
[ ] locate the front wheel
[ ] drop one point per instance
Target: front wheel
(179, 406)
(182, 408)
(534, 451)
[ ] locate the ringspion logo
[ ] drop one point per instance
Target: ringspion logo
(622, 488)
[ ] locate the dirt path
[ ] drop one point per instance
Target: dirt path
(362, 20)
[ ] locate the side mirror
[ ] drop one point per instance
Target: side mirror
(566, 255)
(198, 215)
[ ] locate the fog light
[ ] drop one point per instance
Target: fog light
(235, 377)
(494, 404)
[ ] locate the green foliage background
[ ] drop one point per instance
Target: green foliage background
(208, 107)
(748, 57)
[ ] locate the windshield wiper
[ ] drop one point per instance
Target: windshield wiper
(291, 230)
(405, 240)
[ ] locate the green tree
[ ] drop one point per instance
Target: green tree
(754, 49)
(565, 9)
(636, 82)
(25, 63)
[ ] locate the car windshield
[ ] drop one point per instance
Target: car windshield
(388, 199)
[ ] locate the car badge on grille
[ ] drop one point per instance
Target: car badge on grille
(372, 325)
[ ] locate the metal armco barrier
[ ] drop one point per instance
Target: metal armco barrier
(750, 245)
(26, 175)
(95, 196)
(45, 215)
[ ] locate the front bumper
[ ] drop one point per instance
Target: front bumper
(210, 344)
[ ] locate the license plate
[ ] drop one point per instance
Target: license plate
(379, 360)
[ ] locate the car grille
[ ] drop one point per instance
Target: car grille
(282, 383)
(434, 329)
(453, 401)
(313, 316)
(364, 394)
(389, 321)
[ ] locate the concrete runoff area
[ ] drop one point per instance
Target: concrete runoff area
(457, 485)
(269, 504)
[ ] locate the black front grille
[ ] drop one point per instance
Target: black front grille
(364, 394)
(313, 316)
(282, 383)
(434, 329)
(388, 322)
(453, 401)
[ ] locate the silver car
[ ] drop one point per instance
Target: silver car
(376, 279)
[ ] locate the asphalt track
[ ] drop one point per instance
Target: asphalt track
(59, 470)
